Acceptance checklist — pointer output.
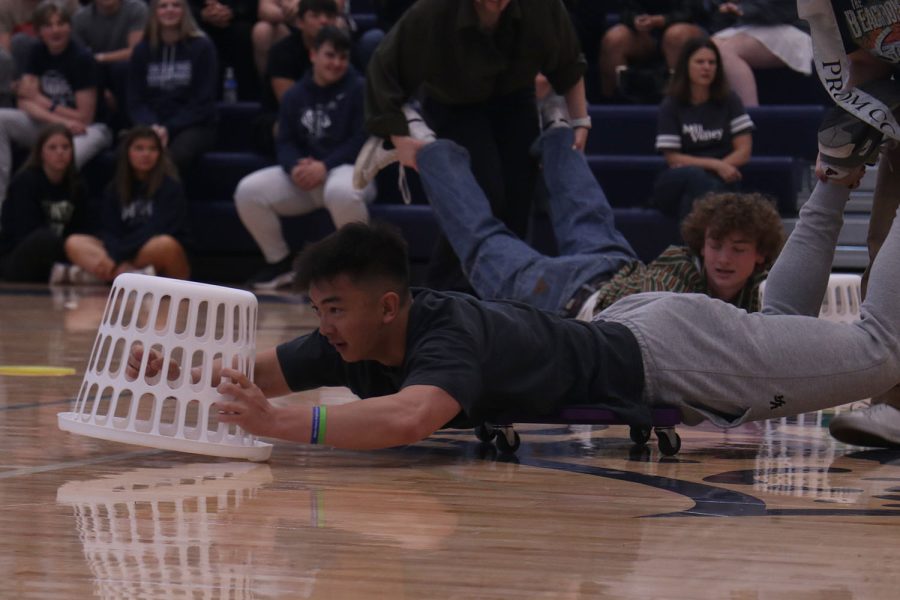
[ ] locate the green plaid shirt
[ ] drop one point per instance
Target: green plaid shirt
(677, 269)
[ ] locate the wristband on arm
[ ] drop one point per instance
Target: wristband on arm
(317, 430)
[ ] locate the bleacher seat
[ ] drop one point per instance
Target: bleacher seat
(620, 153)
(782, 130)
(628, 180)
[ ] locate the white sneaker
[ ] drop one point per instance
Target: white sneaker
(77, 275)
(554, 112)
(59, 274)
(876, 426)
(418, 129)
(372, 158)
(148, 270)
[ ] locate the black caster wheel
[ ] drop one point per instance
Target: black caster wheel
(486, 451)
(669, 441)
(639, 435)
(508, 441)
(486, 433)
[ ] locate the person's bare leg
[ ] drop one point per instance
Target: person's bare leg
(88, 253)
(741, 54)
(674, 39)
(166, 255)
(619, 45)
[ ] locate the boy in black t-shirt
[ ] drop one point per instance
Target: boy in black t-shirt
(421, 359)
(59, 86)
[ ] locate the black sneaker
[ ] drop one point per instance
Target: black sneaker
(845, 142)
(274, 275)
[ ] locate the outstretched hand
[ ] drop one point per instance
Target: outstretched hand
(244, 404)
(154, 364)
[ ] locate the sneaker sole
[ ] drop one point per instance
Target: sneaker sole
(855, 437)
(846, 142)
(366, 167)
(282, 280)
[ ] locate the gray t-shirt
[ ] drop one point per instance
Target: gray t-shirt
(106, 33)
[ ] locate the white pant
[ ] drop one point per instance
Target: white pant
(16, 126)
(265, 195)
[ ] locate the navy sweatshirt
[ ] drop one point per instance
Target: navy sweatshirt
(324, 123)
(34, 202)
(174, 86)
(127, 228)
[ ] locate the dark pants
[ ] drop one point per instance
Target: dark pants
(676, 189)
(186, 146)
(33, 258)
(497, 134)
(113, 78)
(235, 48)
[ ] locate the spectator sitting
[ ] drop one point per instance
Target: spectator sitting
(229, 24)
(144, 223)
(17, 37)
(172, 83)
(766, 35)
(288, 62)
(704, 131)
(648, 27)
(46, 204)
(111, 29)
(271, 25)
(59, 85)
(320, 132)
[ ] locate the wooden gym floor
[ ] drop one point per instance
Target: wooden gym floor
(774, 510)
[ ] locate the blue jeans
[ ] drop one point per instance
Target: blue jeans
(498, 264)
(676, 189)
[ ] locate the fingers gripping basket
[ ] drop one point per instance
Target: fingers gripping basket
(191, 325)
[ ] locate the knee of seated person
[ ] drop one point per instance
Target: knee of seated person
(244, 192)
(163, 243)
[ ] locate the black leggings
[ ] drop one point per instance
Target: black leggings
(33, 258)
(497, 134)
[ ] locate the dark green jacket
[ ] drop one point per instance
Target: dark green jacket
(438, 44)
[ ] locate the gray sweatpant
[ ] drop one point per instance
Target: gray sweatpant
(717, 362)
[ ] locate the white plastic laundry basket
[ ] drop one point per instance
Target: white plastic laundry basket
(191, 325)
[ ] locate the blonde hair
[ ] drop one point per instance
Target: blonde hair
(187, 29)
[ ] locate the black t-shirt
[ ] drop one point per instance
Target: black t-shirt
(63, 74)
(288, 59)
(494, 358)
(705, 130)
(872, 25)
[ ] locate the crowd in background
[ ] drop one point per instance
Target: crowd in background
(81, 76)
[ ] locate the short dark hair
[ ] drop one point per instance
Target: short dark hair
(46, 9)
(363, 252)
(337, 37)
(721, 213)
(329, 7)
(680, 83)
